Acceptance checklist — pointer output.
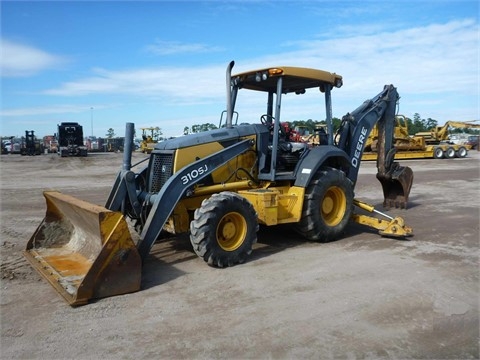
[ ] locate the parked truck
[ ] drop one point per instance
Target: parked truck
(70, 140)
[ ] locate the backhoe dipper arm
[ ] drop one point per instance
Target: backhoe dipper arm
(356, 127)
(172, 191)
(358, 124)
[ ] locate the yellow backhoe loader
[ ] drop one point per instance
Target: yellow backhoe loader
(149, 139)
(430, 144)
(219, 185)
(441, 133)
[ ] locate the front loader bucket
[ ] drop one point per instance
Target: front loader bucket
(396, 185)
(84, 250)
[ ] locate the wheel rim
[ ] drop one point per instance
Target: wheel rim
(333, 206)
(231, 231)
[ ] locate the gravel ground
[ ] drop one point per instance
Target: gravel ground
(363, 296)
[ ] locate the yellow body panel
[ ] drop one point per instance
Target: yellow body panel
(274, 206)
(188, 155)
(226, 178)
(298, 78)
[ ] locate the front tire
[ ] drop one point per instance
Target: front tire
(327, 207)
(224, 229)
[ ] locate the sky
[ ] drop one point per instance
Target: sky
(162, 63)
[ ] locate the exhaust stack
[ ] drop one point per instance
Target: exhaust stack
(229, 123)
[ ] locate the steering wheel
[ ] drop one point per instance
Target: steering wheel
(264, 119)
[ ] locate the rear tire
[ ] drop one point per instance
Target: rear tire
(461, 152)
(327, 207)
(450, 153)
(224, 229)
(438, 153)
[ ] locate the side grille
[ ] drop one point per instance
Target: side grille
(161, 168)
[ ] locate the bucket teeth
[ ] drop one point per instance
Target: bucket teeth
(395, 203)
(396, 186)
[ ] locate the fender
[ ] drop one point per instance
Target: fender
(317, 157)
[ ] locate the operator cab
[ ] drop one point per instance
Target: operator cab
(278, 153)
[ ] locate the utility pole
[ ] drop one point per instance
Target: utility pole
(91, 119)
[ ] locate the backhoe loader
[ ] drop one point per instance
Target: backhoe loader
(441, 133)
(431, 144)
(219, 186)
(148, 141)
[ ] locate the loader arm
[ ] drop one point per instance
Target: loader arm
(124, 186)
(356, 126)
(174, 189)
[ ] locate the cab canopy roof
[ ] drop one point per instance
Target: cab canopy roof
(295, 79)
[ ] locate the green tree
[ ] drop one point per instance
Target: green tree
(417, 125)
(431, 124)
(203, 127)
(110, 133)
(157, 134)
(420, 125)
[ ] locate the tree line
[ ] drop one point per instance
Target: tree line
(415, 125)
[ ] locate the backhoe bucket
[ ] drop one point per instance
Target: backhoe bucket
(396, 185)
(84, 250)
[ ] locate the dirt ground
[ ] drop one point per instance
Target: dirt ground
(363, 296)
